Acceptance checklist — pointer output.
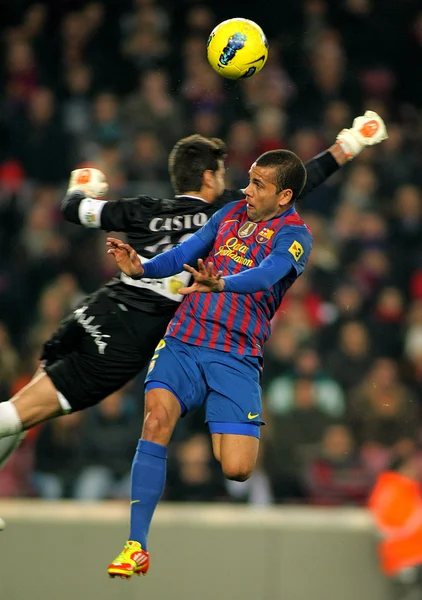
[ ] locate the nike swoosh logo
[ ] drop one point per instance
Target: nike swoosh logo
(252, 416)
(134, 501)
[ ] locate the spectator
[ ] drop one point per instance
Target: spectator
(337, 476)
(383, 410)
(193, 476)
(293, 440)
(280, 395)
(110, 432)
(42, 143)
(106, 126)
(152, 107)
(347, 304)
(350, 362)
(58, 457)
(147, 166)
(386, 323)
(76, 107)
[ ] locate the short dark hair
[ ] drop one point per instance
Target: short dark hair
(190, 158)
(290, 170)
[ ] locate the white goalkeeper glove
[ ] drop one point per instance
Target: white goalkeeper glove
(367, 130)
(92, 182)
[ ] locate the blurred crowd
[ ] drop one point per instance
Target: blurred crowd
(114, 83)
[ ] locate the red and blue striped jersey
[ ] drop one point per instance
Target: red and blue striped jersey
(240, 323)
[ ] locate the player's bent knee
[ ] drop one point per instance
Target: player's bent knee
(160, 419)
(237, 472)
(157, 422)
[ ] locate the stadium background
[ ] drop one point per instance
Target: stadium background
(115, 84)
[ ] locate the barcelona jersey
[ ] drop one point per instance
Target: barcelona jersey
(240, 323)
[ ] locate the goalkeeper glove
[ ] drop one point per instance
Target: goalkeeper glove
(91, 182)
(367, 130)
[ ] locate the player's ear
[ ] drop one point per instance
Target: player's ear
(208, 178)
(285, 196)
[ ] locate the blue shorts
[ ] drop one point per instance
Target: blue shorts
(227, 384)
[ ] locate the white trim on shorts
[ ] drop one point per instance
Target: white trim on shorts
(63, 402)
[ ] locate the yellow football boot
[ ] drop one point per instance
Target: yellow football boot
(131, 561)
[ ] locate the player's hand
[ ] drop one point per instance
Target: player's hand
(367, 130)
(92, 182)
(126, 257)
(206, 279)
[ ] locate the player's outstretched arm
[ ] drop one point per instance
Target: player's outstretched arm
(84, 204)
(367, 130)
(164, 265)
(260, 278)
(126, 257)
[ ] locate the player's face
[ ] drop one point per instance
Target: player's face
(263, 201)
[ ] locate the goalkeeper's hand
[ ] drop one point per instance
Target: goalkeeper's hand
(92, 182)
(367, 130)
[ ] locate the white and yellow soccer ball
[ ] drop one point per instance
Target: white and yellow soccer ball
(237, 48)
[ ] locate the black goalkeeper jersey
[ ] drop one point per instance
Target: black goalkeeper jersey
(154, 225)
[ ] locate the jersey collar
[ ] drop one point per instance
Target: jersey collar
(286, 213)
(193, 197)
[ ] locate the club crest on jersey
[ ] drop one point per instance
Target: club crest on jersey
(264, 235)
(296, 250)
(90, 217)
(247, 229)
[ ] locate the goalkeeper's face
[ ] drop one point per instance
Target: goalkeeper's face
(263, 200)
(213, 181)
(218, 179)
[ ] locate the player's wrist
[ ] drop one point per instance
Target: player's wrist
(136, 272)
(220, 285)
(75, 194)
(349, 144)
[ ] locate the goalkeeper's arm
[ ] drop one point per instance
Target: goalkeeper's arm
(367, 130)
(83, 204)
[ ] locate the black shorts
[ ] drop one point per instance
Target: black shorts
(99, 347)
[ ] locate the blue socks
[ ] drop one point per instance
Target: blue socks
(148, 482)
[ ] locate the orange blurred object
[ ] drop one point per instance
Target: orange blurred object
(396, 504)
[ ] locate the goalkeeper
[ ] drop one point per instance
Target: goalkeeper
(111, 336)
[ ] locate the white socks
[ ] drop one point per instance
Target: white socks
(10, 423)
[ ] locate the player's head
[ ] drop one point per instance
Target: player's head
(196, 165)
(276, 179)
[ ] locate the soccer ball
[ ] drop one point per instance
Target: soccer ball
(237, 48)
